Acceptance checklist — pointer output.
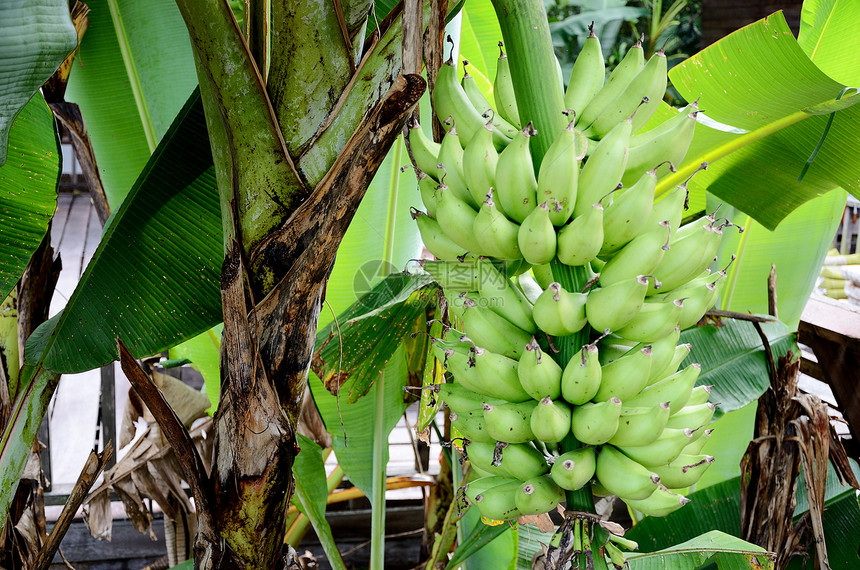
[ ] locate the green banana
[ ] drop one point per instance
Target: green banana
(662, 351)
(663, 450)
(624, 477)
(640, 425)
(451, 165)
(539, 374)
(580, 241)
(626, 216)
(587, 75)
(680, 353)
(510, 422)
(692, 417)
(649, 86)
(482, 106)
(670, 207)
(496, 234)
(695, 448)
(449, 100)
(699, 395)
(503, 297)
(684, 471)
(489, 330)
(621, 76)
(559, 173)
(550, 421)
(461, 366)
(614, 306)
(435, 240)
(688, 255)
(654, 320)
(499, 502)
(603, 168)
(486, 457)
(595, 424)
(456, 218)
(543, 275)
(661, 503)
(616, 557)
(580, 380)
(572, 470)
(674, 389)
(536, 237)
(522, 460)
(666, 143)
(516, 186)
(700, 294)
(463, 401)
(427, 188)
(479, 163)
(538, 495)
(478, 486)
(625, 377)
(497, 375)
(424, 151)
(503, 90)
(473, 428)
(454, 276)
(558, 312)
(639, 257)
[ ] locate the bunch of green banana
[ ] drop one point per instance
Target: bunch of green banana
(495, 224)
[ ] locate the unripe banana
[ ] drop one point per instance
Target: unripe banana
(499, 502)
(425, 151)
(640, 425)
(473, 428)
(505, 299)
(516, 185)
(580, 380)
(680, 353)
(463, 401)
(688, 255)
(662, 352)
(674, 389)
(580, 241)
(510, 423)
(558, 312)
(604, 167)
(621, 76)
(616, 557)
(661, 146)
(427, 188)
(498, 375)
(539, 374)
(482, 106)
(559, 173)
(639, 257)
(503, 90)
(587, 75)
(595, 424)
(486, 457)
(695, 447)
(692, 417)
(649, 85)
(626, 216)
(654, 320)
(684, 471)
(661, 503)
(461, 366)
(479, 163)
(437, 241)
(478, 486)
(624, 477)
(699, 395)
(663, 450)
(494, 332)
(614, 306)
(451, 166)
(572, 470)
(670, 207)
(454, 276)
(550, 421)
(536, 237)
(449, 99)
(538, 495)
(522, 460)
(700, 294)
(457, 219)
(543, 275)
(625, 377)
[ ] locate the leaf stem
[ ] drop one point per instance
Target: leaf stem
(729, 290)
(380, 446)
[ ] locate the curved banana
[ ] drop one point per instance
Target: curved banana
(625, 377)
(603, 168)
(674, 389)
(494, 332)
(558, 312)
(478, 486)
(595, 424)
(662, 351)
(427, 188)
(640, 425)
(510, 422)
(653, 320)
(502, 297)
(667, 142)
(688, 255)
(621, 76)
(522, 460)
(516, 186)
(614, 306)
(580, 241)
(437, 241)
(559, 173)
(536, 237)
(550, 421)
(482, 106)
(497, 374)
(684, 471)
(538, 495)
(451, 165)
(624, 477)
(499, 502)
(473, 428)
(572, 470)
(463, 401)
(627, 215)
(692, 417)
(479, 164)
(424, 151)
(486, 457)
(699, 395)
(580, 380)
(670, 207)
(663, 450)
(661, 503)
(539, 374)
(639, 257)
(695, 448)
(678, 356)
(587, 75)
(503, 90)
(456, 218)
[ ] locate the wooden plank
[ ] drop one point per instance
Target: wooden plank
(830, 320)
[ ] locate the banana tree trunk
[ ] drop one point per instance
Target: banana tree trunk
(282, 226)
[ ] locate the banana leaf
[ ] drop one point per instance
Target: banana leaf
(725, 551)
(35, 38)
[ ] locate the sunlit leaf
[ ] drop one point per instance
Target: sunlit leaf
(726, 551)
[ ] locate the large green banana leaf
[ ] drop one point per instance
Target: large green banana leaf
(35, 38)
(132, 75)
(28, 189)
(717, 548)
